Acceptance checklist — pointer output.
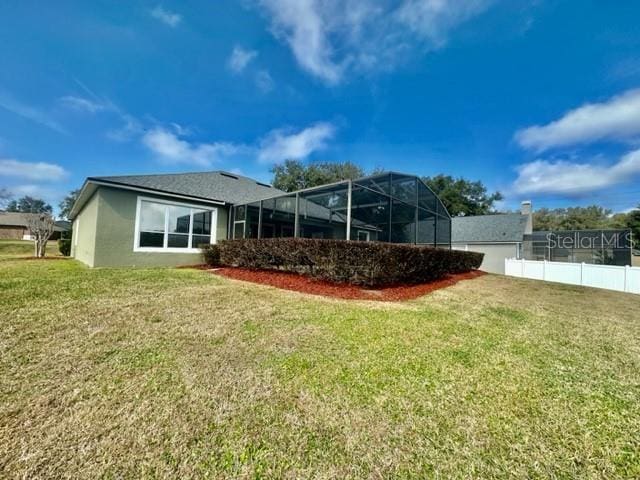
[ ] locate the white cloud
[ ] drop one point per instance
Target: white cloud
(433, 19)
(331, 37)
(82, 104)
(169, 148)
(282, 144)
(36, 171)
(29, 112)
(264, 81)
(616, 119)
(170, 18)
(240, 58)
(305, 27)
(575, 179)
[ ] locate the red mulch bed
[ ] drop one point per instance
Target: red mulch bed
(301, 283)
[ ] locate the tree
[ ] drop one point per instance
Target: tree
(463, 197)
(67, 203)
(575, 218)
(5, 196)
(41, 227)
(633, 222)
(29, 204)
(295, 175)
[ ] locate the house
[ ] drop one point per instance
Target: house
(498, 236)
(155, 220)
(14, 226)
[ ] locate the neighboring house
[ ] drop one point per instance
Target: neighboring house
(14, 226)
(153, 220)
(498, 236)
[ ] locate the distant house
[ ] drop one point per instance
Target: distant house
(155, 220)
(498, 236)
(14, 226)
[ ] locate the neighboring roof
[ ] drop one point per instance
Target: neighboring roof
(214, 187)
(508, 227)
(17, 219)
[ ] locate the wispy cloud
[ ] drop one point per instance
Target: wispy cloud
(574, 179)
(34, 171)
(29, 112)
(130, 128)
(434, 19)
(82, 104)
(332, 37)
(615, 119)
(93, 103)
(283, 144)
(264, 81)
(168, 147)
(240, 58)
(165, 16)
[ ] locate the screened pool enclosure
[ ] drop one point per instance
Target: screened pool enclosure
(390, 207)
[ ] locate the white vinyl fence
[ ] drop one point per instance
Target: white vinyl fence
(623, 279)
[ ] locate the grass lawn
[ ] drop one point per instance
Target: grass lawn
(24, 248)
(128, 373)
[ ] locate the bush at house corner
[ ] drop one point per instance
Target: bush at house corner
(359, 263)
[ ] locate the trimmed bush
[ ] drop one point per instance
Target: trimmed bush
(64, 245)
(360, 263)
(211, 254)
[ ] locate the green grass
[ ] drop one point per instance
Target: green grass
(129, 373)
(24, 248)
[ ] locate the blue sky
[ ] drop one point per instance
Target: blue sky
(539, 99)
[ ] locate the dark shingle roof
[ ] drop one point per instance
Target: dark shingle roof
(218, 185)
(489, 228)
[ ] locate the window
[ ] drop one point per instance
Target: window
(363, 236)
(172, 227)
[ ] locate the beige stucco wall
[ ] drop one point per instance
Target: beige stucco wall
(494, 254)
(114, 231)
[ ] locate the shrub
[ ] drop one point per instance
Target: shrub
(211, 254)
(360, 263)
(64, 245)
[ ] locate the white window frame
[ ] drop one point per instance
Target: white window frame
(244, 228)
(367, 234)
(165, 249)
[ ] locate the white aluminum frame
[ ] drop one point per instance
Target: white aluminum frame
(165, 248)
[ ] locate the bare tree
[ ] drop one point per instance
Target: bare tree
(41, 227)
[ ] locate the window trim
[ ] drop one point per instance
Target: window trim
(366, 232)
(75, 230)
(165, 249)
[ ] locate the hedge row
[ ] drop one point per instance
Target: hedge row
(359, 263)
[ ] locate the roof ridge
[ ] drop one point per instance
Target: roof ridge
(510, 214)
(158, 174)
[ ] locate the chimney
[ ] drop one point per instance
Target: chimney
(527, 209)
